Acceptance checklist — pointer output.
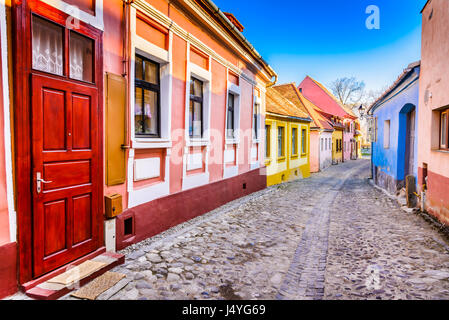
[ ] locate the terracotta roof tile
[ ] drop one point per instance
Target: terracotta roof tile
(278, 104)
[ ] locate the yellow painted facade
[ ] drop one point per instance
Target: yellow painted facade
(337, 146)
(289, 160)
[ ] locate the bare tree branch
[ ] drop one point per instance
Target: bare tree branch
(348, 90)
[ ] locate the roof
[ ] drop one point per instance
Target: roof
(428, 1)
(234, 20)
(322, 98)
(410, 68)
(291, 92)
(276, 103)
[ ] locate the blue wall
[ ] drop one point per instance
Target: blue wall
(392, 160)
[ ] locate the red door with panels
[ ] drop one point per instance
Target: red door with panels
(62, 71)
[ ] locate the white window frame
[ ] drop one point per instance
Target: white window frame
(193, 70)
(205, 76)
(257, 104)
(234, 90)
(147, 49)
(150, 51)
(387, 133)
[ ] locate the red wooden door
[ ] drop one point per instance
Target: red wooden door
(65, 160)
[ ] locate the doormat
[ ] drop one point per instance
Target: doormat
(99, 285)
(78, 272)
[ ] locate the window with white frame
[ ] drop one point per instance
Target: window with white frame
(232, 113)
(256, 116)
(197, 116)
(230, 122)
(147, 98)
(150, 95)
(387, 134)
(196, 127)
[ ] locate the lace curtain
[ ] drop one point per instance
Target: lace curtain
(47, 47)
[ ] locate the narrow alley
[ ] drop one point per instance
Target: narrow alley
(333, 236)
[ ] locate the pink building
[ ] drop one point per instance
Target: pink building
(433, 125)
(126, 118)
(329, 106)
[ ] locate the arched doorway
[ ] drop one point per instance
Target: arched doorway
(406, 145)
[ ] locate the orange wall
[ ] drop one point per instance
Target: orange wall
(112, 60)
(219, 87)
(113, 56)
(178, 111)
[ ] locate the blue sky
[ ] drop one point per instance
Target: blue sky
(328, 39)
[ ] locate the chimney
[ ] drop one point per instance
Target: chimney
(234, 21)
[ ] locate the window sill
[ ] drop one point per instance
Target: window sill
(142, 143)
(295, 156)
(197, 143)
(281, 159)
(232, 141)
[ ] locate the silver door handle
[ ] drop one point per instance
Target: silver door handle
(39, 182)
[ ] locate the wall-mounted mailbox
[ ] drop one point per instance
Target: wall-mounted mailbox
(113, 205)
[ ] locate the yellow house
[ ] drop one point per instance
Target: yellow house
(337, 139)
(287, 140)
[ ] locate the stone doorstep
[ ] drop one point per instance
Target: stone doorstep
(53, 291)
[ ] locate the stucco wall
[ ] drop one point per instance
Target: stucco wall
(391, 161)
(434, 84)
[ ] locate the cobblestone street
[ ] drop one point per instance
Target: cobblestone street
(332, 236)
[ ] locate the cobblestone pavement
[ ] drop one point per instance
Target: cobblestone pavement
(332, 236)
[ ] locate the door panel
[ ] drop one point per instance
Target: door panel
(54, 117)
(65, 154)
(55, 222)
(81, 122)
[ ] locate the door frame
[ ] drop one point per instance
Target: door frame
(22, 10)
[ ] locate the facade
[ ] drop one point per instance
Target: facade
(341, 118)
(433, 151)
(320, 128)
(153, 105)
(395, 148)
(287, 130)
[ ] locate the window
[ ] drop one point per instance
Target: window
(256, 121)
(387, 134)
(81, 57)
(231, 116)
(303, 141)
(294, 141)
(267, 141)
(48, 46)
(322, 144)
(281, 148)
(147, 98)
(196, 109)
(444, 129)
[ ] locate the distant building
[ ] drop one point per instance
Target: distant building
(394, 153)
(320, 128)
(341, 118)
